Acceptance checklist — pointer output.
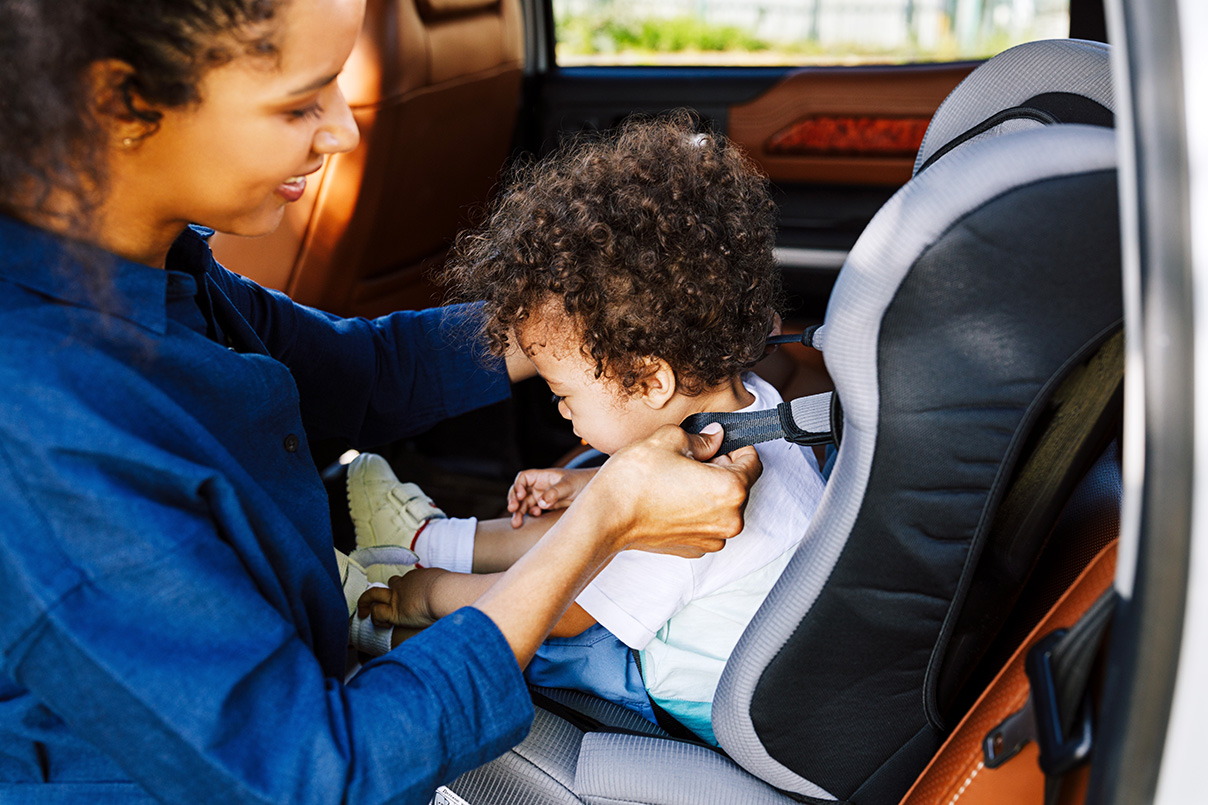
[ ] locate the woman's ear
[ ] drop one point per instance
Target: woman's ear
(658, 386)
(116, 106)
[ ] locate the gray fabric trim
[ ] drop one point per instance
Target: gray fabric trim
(909, 223)
(1013, 76)
(819, 338)
(540, 771)
(615, 769)
(812, 413)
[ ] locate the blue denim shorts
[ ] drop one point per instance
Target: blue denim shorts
(594, 662)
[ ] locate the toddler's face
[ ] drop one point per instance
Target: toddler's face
(603, 415)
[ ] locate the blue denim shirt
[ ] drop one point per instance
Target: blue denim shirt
(171, 620)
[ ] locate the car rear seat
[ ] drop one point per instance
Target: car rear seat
(434, 86)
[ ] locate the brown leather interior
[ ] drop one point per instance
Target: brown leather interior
(434, 86)
(958, 772)
(872, 93)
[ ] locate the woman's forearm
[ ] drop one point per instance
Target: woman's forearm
(529, 599)
(654, 495)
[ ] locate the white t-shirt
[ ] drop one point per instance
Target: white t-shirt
(686, 615)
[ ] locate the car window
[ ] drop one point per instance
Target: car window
(797, 32)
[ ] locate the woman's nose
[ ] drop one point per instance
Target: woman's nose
(339, 132)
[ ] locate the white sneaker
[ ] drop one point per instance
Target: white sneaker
(352, 579)
(386, 515)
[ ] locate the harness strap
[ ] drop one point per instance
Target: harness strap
(807, 421)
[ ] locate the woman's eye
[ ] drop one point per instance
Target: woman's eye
(314, 110)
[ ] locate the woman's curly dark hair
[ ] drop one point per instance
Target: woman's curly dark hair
(656, 240)
(49, 138)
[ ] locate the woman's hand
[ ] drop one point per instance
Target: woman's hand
(658, 496)
(535, 491)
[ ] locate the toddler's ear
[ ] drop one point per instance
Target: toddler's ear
(658, 386)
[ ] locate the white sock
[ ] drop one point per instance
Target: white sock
(364, 636)
(448, 544)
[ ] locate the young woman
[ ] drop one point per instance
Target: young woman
(171, 621)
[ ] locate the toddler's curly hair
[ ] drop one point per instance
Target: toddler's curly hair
(656, 240)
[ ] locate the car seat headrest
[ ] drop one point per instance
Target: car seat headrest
(1031, 85)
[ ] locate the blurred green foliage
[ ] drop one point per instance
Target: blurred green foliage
(611, 34)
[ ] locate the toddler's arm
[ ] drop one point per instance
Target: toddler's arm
(479, 546)
(492, 546)
(419, 598)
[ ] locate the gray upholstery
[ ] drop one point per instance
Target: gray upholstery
(1014, 76)
(636, 769)
(540, 771)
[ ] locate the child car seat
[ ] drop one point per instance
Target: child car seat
(972, 297)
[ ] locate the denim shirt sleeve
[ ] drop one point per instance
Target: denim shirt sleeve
(371, 381)
(176, 665)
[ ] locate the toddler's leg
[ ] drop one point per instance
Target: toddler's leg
(396, 524)
(386, 515)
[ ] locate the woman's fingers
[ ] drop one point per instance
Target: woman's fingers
(703, 445)
(669, 501)
(744, 461)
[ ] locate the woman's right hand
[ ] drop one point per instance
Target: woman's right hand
(661, 495)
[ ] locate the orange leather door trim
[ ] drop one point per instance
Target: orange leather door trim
(877, 96)
(957, 773)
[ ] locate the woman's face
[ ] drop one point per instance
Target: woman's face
(233, 161)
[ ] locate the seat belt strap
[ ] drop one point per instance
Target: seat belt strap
(1072, 662)
(1057, 714)
(806, 421)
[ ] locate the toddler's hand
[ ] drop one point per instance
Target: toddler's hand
(535, 491)
(403, 602)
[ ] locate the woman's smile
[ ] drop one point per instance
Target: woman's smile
(292, 188)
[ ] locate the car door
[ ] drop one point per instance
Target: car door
(829, 97)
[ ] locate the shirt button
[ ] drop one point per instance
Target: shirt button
(291, 443)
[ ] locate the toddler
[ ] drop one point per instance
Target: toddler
(636, 272)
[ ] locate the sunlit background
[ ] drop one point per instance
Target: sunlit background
(777, 32)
